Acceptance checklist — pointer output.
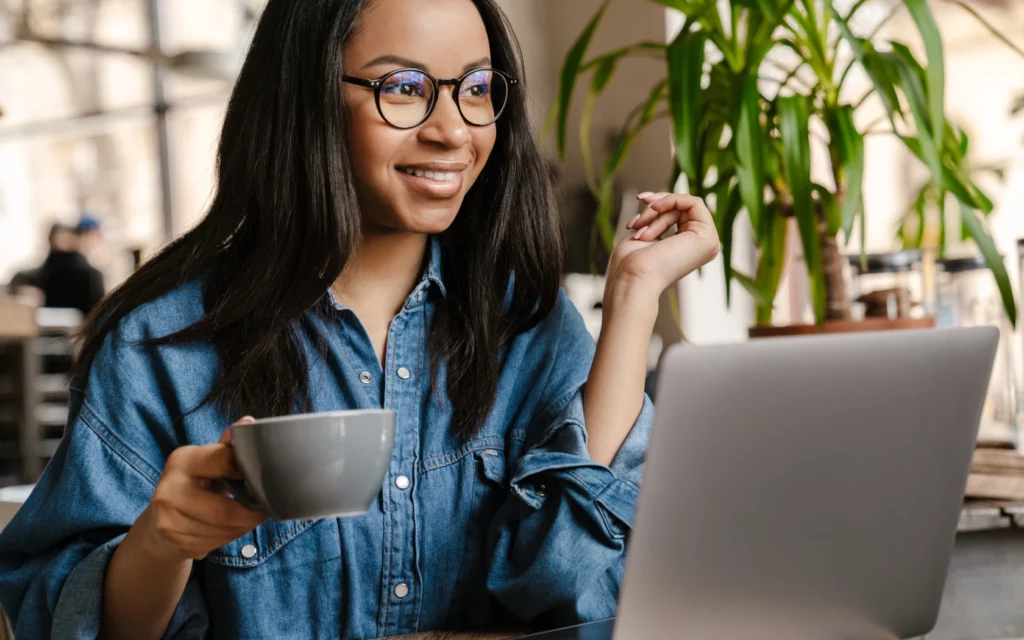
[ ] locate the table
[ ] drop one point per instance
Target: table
(456, 635)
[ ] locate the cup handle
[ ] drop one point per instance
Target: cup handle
(240, 492)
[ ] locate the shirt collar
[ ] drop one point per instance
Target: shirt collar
(433, 271)
(431, 275)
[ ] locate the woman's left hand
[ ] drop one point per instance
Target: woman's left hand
(644, 259)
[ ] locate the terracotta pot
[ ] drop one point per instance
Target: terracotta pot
(842, 326)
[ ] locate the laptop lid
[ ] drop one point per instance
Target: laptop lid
(805, 487)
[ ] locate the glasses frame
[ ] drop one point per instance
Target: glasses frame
(455, 83)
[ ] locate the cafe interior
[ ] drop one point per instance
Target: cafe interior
(888, 135)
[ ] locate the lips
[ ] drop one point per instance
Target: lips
(437, 180)
(436, 176)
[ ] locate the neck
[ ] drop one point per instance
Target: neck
(382, 272)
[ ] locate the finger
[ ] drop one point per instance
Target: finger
(645, 217)
(653, 196)
(225, 438)
(646, 198)
(208, 461)
(210, 508)
(660, 225)
(681, 201)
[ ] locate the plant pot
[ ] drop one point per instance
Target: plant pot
(842, 326)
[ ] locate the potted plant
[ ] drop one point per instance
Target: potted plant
(743, 118)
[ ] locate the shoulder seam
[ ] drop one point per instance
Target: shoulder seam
(91, 419)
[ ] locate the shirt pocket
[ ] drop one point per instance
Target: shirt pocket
(486, 470)
(278, 572)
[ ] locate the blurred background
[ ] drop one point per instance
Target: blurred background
(111, 111)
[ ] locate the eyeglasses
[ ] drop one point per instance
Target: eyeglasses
(406, 97)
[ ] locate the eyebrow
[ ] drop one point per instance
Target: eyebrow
(413, 64)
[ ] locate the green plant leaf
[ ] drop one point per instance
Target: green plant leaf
(995, 263)
(911, 80)
(951, 181)
(606, 212)
(570, 74)
(795, 129)
(866, 55)
(936, 71)
(752, 288)
(685, 6)
(749, 145)
(685, 69)
(598, 82)
(607, 206)
(830, 207)
(645, 115)
(727, 206)
(851, 153)
(771, 263)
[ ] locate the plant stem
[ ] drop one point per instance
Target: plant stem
(989, 26)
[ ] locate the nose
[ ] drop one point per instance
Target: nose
(445, 125)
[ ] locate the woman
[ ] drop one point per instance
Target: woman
(377, 239)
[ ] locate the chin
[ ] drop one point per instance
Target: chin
(427, 219)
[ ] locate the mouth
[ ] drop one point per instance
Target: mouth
(436, 176)
(439, 180)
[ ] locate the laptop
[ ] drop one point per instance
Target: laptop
(803, 488)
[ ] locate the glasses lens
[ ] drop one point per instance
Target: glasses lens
(405, 97)
(482, 96)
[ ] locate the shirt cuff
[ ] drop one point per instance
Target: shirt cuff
(79, 610)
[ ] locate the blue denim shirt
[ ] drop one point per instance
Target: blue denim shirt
(515, 526)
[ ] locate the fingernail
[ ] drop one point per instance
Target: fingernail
(246, 419)
(639, 234)
(633, 221)
(645, 194)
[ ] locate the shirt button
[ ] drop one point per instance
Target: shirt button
(402, 482)
(419, 296)
(402, 590)
(404, 373)
(248, 552)
(365, 378)
(541, 491)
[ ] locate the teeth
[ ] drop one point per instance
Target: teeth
(436, 176)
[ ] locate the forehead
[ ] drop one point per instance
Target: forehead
(442, 35)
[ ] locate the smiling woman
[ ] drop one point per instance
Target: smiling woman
(383, 236)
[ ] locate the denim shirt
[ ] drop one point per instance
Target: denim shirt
(514, 527)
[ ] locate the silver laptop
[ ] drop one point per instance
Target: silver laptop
(803, 488)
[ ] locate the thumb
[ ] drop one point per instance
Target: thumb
(225, 438)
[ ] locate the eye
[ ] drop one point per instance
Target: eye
(476, 91)
(477, 85)
(406, 85)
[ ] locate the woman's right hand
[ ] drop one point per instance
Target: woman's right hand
(190, 515)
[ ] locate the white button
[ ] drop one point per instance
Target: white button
(419, 296)
(402, 590)
(404, 373)
(248, 552)
(365, 378)
(402, 482)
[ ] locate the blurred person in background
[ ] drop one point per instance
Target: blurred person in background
(383, 234)
(90, 236)
(65, 279)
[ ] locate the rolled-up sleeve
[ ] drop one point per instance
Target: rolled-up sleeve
(558, 543)
(54, 554)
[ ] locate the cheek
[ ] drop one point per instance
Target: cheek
(370, 148)
(483, 145)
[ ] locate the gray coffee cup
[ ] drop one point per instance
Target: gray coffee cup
(311, 466)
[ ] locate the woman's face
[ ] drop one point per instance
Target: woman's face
(445, 38)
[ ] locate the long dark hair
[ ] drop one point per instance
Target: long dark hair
(284, 221)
